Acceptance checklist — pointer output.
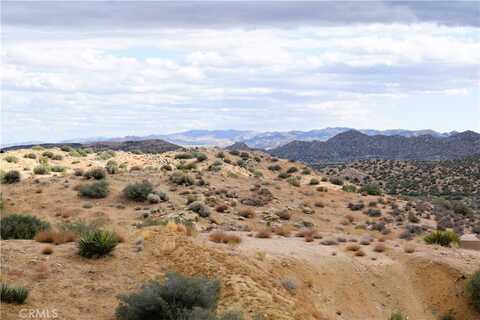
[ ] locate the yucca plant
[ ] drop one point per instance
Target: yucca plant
(10, 294)
(97, 243)
(443, 238)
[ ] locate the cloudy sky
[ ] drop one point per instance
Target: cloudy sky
(90, 68)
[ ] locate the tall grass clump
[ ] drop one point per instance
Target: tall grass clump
(12, 176)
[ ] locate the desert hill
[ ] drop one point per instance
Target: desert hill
(354, 145)
(298, 244)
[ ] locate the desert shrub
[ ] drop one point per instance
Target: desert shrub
(47, 154)
(264, 233)
(30, 155)
(294, 181)
(246, 213)
(461, 208)
(356, 206)
(11, 159)
(21, 226)
(223, 237)
(322, 189)
(337, 181)
(179, 297)
(258, 174)
(57, 157)
(78, 172)
(398, 316)
(181, 178)
(292, 170)
(111, 167)
(234, 152)
(306, 171)
(105, 155)
(95, 173)
(97, 243)
(135, 168)
(95, 190)
(220, 155)
(473, 289)
(41, 169)
(283, 175)
(443, 238)
(57, 168)
(138, 191)
(187, 166)
(349, 188)
(184, 155)
(314, 182)
(274, 167)
(12, 176)
(371, 189)
(10, 294)
(66, 148)
(78, 153)
(200, 156)
(200, 208)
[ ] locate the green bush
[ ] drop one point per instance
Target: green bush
(138, 191)
(200, 208)
(314, 181)
(47, 154)
(179, 297)
(294, 181)
(57, 157)
(58, 168)
(283, 175)
(443, 238)
(95, 173)
(274, 167)
(30, 155)
(95, 190)
(372, 189)
(181, 178)
(78, 153)
(12, 176)
(66, 148)
(41, 169)
(21, 226)
(306, 171)
(11, 159)
(473, 289)
(97, 243)
(349, 188)
(292, 170)
(105, 155)
(337, 181)
(398, 316)
(10, 294)
(187, 166)
(200, 156)
(184, 155)
(112, 167)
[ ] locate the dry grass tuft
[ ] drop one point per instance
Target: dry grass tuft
(222, 237)
(264, 233)
(379, 247)
(308, 233)
(48, 249)
(246, 213)
(55, 237)
(283, 231)
(353, 247)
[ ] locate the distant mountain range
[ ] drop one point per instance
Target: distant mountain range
(355, 145)
(254, 139)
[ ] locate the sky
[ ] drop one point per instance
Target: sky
(77, 69)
